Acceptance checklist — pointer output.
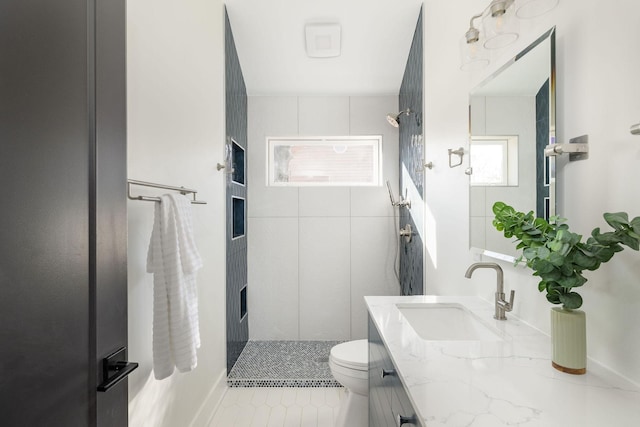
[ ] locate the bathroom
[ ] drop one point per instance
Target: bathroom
(176, 134)
(584, 60)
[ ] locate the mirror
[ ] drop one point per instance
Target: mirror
(512, 119)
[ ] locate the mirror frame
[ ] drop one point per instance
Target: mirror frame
(551, 36)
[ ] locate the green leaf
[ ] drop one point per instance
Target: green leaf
(558, 246)
(617, 220)
(542, 266)
(572, 281)
(542, 286)
(543, 252)
(627, 239)
(530, 253)
(562, 236)
(571, 300)
(553, 298)
(608, 238)
(556, 259)
(553, 275)
(567, 269)
(583, 260)
(498, 207)
(604, 254)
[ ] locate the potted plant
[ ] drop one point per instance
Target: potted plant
(558, 257)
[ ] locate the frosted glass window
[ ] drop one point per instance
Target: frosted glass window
(328, 161)
(494, 160)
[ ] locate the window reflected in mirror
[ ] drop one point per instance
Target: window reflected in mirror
(494, 160)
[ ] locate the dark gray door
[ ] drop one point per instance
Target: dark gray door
(63, 213)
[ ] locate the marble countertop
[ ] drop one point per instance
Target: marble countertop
(504, 383)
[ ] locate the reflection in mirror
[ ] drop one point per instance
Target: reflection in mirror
(512, 116)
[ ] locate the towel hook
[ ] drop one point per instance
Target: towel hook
(458, 152)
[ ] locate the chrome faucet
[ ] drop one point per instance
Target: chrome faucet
(501, 305)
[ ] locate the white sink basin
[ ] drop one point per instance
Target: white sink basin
(446, 322)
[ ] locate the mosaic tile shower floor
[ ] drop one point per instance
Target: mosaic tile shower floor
(283, 364)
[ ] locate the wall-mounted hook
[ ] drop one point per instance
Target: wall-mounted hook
(458, 152)
(468, 171)
(220, 166)
(635, 129)
(429, 165)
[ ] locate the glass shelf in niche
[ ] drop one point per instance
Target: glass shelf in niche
(237, 160)
(238, 219)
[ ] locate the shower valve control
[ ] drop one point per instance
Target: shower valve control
(406, 232)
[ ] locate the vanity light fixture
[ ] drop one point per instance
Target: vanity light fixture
(499, 25)
(499, 29)
(473, 56)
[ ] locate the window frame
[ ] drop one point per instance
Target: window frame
(510, 159)
(375, 141)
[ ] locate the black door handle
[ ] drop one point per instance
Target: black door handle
(115, 368)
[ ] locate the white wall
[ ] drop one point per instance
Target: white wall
(598, 94)
(175, 135)
(314, 253)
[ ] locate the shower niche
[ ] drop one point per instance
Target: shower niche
(238, 163)
(243, 302)
(238, 218)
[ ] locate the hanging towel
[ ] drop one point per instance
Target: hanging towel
(174, 261)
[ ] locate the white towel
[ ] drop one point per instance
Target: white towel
(174, 261)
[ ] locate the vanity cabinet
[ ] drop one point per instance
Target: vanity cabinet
(389, 404)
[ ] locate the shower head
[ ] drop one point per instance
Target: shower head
(394, 119)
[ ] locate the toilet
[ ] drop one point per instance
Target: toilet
(349, 364)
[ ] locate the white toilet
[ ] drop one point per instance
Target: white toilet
(349, 365)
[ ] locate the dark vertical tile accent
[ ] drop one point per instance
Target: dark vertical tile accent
(411, 159)
(236, 129)
(542, 162)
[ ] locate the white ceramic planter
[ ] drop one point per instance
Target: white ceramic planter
(569, 340)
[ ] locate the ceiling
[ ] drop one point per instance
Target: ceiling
(376, 37)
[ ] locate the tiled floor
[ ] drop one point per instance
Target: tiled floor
(284, 364)
(278, 406)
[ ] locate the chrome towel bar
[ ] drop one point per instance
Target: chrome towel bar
(182, 190)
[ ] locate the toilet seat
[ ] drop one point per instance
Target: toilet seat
(351, 355)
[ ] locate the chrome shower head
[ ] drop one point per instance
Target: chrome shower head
(394, 119)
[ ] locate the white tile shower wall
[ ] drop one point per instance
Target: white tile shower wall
(367, 277)
(323, 115)
(269, 116)
(342, 246)
(324, 278)
(280, 305)
(599, 95)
